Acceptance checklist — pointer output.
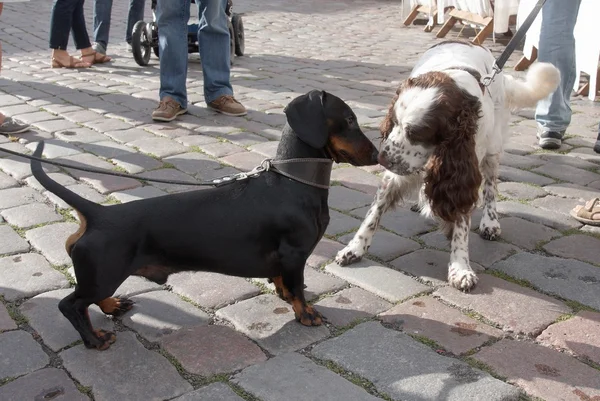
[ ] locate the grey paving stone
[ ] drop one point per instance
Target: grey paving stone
(44, 384)
(384, 282)
(402, 221)
(107, 149)
(408, 370)
(270, 322)
(244, 161)
(169, 174)
(11, 242)
(135, 163)
(129, 135)
(481, 251)
(160, 147)
(82, 190)
(581, 247)
(517, 161)
(506, 173)
(12, 197)
(518, 190)
(386, 246)
(55, 330)
(541, 371)
(53, 126)
(6, 181)
(567, 278)
(268, 149)
(349, 305)
(316, 283)
(107, 124)
(548, 218)
(501, 302)
(193, 163)
(160, 313)
(556, 204)
(27, 275)
(567, 173)
(6, 322)
(19, 168)
(61, 178)
(30, 215)
(211, 350)
(294, 377)
(50, 241)
(324, 252)
(356, 178)
(155, 378)
(568, 190)
(12, 146)
(166, 130)
(196, 140)
(54, 148)
(340, 223)
(525, 234)
(21, 354)
(212, 290)
(81, 116)
(138, 193)
(342, 198)
(568, 159)
(80, 135)
(454, 331)
(131, 286)
(429, 265)
(35, 117)
(212, 392)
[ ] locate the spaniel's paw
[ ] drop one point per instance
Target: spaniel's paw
(489, 229)
(461, 276)
(351, 253)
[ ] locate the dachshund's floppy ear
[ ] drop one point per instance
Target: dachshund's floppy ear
(306, 115)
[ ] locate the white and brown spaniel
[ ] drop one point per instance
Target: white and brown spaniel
(442, 136)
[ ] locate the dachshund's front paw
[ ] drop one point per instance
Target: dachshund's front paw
(309, 317)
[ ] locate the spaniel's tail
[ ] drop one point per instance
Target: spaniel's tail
(541, 80)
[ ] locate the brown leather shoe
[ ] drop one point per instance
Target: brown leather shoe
(227, 105)
(168, 109)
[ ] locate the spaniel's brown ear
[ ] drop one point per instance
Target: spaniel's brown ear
(387, 125)
(453, 177)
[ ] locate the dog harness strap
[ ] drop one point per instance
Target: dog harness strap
(313, 172)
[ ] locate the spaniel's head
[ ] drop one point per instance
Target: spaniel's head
(431, 125)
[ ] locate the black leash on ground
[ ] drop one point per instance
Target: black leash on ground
(318, 176)
(512, 45)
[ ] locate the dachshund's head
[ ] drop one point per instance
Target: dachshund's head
(325, 122)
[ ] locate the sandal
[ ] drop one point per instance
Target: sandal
(73, 63)
(97, 60)
(588, 214)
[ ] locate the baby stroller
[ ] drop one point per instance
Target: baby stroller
(144, 36)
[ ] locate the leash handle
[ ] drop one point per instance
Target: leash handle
(514, 42)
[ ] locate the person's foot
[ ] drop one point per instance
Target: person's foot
(93, 57)
(550, 140)
(129, 48)
(168, 109)
(62, 59)
(227, 105)
(11, 126)
(99, 48)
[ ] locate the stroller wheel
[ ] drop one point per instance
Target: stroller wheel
(140, 43)
(238, 31)
(231, 42)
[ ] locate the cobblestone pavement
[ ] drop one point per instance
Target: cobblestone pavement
(396, 331)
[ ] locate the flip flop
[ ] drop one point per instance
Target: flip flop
(588, 214)
(73, 63)
(97, 60)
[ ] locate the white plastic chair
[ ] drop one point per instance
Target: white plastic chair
(587, 44)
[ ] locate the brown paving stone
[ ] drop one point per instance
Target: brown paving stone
(426, 316)
(541, 371)
(210, 350)
(580, 335)
(503, 303)
(6, 323)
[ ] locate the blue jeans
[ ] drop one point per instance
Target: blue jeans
(557, 46)
(67, 15)
(102, 13)
(213, 39)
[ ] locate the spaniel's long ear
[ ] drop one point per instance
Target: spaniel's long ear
(453, 177)
(387, 125)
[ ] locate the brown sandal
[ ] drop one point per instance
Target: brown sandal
(73, 63)
(588, 214)
(97, 60)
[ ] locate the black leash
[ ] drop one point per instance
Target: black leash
(512, 45)
(320, 174)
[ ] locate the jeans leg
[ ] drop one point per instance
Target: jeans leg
(172, 17)
(80, 34)
(136, 13)
(60, 22)
(102, 13)
(557, 46)
(213, 41)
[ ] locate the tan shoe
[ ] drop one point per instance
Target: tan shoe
(227, 105)
(168, 109)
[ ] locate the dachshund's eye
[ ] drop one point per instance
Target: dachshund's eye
(351, 120)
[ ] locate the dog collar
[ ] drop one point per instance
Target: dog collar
(313, 172)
